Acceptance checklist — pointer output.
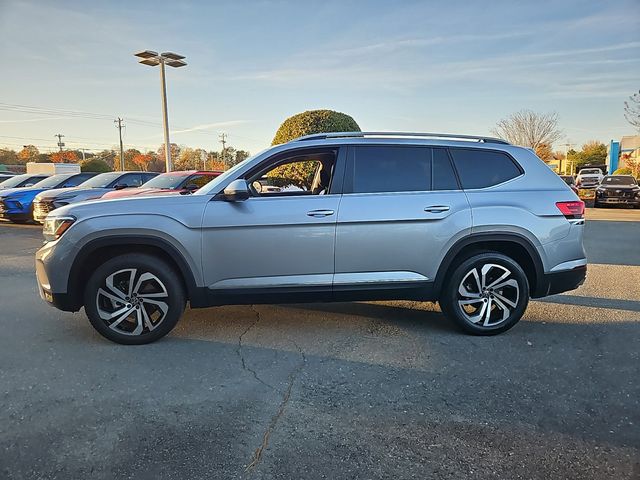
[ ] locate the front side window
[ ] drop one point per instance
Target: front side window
(478, 168)
(130, 180)
(304, 174)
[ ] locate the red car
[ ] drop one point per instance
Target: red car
(171, 183)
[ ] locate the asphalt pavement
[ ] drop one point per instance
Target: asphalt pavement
(337, 391)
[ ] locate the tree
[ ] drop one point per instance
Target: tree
(314, 121)
(8, 157)
(632, 110)
(175, 152)
(307, 123)
(29, 153)
(95, 165)
(142, 161)
(65, 156)
(545, 152)
(190, 159)
(593, 153)
(529, 129)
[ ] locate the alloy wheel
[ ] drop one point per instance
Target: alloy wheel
(132, 302)
(488, 295)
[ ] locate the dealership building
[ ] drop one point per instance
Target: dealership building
(628, 148)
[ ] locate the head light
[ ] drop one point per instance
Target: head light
(54, 227)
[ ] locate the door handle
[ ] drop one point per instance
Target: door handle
(437, 208)
(320, 213)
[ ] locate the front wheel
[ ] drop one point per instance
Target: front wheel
(486, 294)
(134, 299)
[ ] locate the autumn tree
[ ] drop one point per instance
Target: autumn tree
(632, 110)
(592, 153)
(28, 154)
(8, 157)
(175, 152)
(142, 161)
(65, 156)
(545, 152)
(529, 129)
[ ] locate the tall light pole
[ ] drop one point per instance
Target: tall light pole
(153, 59)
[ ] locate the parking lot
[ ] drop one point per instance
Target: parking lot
(351, 390)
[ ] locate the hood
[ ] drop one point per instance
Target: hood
(186, 209)
(27, 192)
(74, 193)
(133, 192)
(619, 187)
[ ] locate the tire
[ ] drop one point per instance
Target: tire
(506, 305)
(120, 312)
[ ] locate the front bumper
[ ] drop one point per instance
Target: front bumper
(10, 210)
(563, 281)
(45, 263)
(619, 200)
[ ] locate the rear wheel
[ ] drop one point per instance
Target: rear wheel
(486, 294)
(134, 299)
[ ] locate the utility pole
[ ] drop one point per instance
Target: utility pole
(82, 150)
(568, 146)
(119, 126)
(60, 142)
(223, 141)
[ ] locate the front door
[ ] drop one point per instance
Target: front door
(280, 241)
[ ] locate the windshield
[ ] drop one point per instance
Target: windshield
(101, 181)
(54, 181)
(17, 180)
(590, 171)
(165, 181)
(619, 180)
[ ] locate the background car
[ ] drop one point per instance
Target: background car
(93, 188)
(181, 182)
(589, 177)
(571, 181)
(16, 203)
(4, 175)
(618, 190)
(24, 180)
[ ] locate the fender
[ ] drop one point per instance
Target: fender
(478, 238)
(92, 246)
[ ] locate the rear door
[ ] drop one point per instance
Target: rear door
(401, 209)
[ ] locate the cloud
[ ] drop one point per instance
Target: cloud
(209, 126)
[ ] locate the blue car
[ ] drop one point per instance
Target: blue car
(15, 203)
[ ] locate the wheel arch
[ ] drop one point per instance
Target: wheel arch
(97, 251)
(513, 245)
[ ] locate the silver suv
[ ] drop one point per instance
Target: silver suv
(474, 223)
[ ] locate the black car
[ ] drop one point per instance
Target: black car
(618, 190)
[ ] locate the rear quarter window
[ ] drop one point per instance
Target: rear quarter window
(479, 168)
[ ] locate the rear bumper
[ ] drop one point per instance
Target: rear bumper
(563, 281)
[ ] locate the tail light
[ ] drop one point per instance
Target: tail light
(571, 210)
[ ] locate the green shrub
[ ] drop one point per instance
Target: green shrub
(95, 165)
(307, 123)
(314, 121)
(622, 171)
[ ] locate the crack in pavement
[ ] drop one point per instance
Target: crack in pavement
(242, 359)
(293, 375)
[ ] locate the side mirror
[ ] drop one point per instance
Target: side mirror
(191, 187)
(236, 191)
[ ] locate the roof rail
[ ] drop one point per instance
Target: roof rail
(323, 136)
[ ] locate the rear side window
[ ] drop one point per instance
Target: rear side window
(483, 168)
(379, 169)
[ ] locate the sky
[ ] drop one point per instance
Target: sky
(457, 67)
